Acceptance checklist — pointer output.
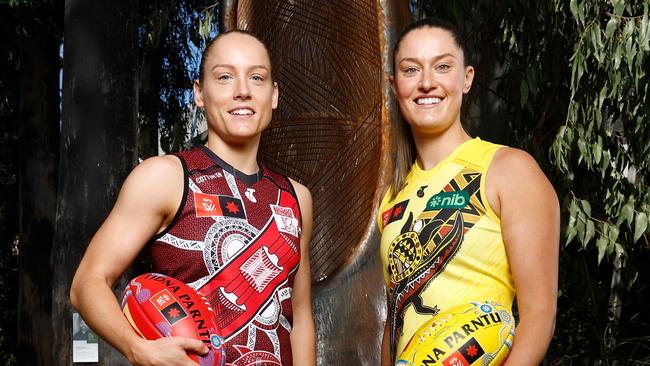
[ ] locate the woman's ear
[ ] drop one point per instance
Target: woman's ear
(198, 96)
(276, 94)
(469, 78)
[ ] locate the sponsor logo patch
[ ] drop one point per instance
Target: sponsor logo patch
(203, 178)
(456, 199)
(250, 194)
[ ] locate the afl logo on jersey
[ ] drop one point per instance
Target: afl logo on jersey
(394, 213)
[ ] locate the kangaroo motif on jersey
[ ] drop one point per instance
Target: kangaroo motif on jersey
(428, 242)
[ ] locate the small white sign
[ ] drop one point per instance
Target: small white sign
(85, 342)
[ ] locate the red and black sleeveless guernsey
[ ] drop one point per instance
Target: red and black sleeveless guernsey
(236, 238)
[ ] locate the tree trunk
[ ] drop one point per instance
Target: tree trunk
(98, 143)
(39, 137)
(615, 304)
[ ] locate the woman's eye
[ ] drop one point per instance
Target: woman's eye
(257, 78)
(223, 77)
(443, 67)
(410, 70)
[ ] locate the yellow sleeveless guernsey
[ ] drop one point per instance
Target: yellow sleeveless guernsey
(441, 243)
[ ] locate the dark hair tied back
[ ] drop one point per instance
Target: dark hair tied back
(432, 22)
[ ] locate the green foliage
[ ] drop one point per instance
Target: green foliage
(604, 136)
(172, 33)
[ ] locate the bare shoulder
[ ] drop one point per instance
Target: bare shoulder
(303, 194)
(157, 173)
(156, 183)
(514, 175)
(511, 161)
(166, 166)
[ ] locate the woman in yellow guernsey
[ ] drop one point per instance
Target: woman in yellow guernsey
(463, 219)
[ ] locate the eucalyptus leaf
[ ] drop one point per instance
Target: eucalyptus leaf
(573, 6)
(571, 234)
(601, 244)
(586, 207)
(582, 147)
(640, 225)
(619, 6)
(580, 226)
(601, 96)
(604, 164)
(598, 152)
(611, 27)
(626, 215)
(618, 54)
(643, 29)
(589, 232)
(613, 233)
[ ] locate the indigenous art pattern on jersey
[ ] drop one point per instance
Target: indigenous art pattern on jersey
(243, 238)
(428, 242)
(441, 242)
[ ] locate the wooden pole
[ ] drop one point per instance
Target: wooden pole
(39, 110)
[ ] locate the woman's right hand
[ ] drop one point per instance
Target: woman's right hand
(168, 351)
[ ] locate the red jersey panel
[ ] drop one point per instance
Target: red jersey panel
(236, 238)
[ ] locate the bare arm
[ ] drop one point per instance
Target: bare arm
(147, 202)
(303, 333)
(529, 211)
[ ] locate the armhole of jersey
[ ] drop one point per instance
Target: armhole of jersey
(295, 196)
(489, 158)
(179, 210)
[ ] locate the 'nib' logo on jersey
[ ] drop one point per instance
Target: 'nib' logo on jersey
(458, 199)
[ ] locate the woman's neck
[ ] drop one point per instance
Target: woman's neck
(242, 157)
(432, 149)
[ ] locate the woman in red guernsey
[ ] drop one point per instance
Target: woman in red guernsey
(215, 218)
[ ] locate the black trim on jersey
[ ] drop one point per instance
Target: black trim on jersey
(248, 179)
(179, 210)
(291, 191)
(295, 195)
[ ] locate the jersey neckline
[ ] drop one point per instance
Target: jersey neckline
(426, 174)
(248, 179)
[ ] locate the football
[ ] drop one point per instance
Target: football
(475, 333)
(159, 306)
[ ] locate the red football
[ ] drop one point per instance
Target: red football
(159, 306)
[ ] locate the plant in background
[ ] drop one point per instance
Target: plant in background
(604, 148)
(172, 33)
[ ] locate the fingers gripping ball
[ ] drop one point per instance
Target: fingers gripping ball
(159, 306)
(477, 333)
